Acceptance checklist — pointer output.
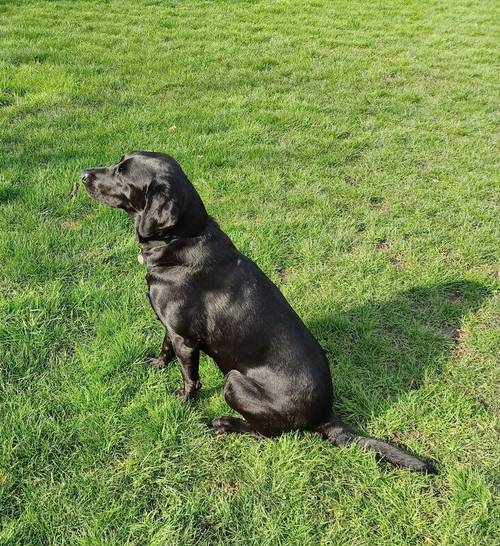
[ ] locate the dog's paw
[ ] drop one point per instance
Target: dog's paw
(222, 425)
(160, 362)
(157, 363)
(188, 393)
(228, 425)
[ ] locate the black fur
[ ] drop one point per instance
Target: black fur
(213, 299)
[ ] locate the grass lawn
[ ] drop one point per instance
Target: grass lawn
(350, 148)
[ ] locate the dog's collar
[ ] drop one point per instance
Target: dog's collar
(156, 253)
(149, 247)
(151, 254)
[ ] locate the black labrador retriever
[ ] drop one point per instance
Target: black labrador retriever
(212, 298)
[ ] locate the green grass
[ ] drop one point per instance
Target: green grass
(350, 148)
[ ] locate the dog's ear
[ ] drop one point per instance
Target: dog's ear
(163, 207)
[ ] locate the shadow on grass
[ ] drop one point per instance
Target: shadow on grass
(381, 350)
(8, 193)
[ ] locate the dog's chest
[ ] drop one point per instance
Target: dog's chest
(176, 307)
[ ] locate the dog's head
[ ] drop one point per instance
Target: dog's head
(154, 190)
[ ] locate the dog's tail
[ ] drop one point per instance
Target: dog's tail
(339, 434)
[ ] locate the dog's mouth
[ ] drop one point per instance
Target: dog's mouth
(90, 186)
(76, 186)
(89, 178)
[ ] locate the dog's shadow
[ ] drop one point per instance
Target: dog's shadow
(382, 350)
(379, 351)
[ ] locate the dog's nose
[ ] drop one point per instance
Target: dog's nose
(86, 175)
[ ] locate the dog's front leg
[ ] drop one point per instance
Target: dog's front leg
(166, 355)
(189, 358)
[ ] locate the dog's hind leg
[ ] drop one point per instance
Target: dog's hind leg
(250, 399)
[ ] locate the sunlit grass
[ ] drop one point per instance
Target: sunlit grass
(348, 148)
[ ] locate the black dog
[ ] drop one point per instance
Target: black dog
(213, 299)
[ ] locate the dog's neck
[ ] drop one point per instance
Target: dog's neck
(171, 250)
(157, 252)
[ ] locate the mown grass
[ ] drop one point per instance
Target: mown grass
(350, 148)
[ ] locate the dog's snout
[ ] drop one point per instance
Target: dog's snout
(87, 175)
